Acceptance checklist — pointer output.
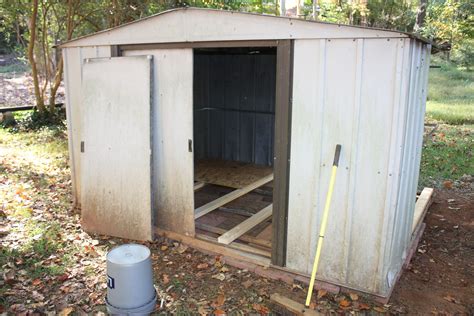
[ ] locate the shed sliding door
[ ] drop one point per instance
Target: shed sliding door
(116, 147)
(172, 120)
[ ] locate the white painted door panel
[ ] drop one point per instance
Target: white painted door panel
(172, 119)
(116, 194)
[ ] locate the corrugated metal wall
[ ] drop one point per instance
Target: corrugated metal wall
(359, 93)
(234, 106)
(73, 61)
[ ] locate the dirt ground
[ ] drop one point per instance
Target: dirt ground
(440, 278)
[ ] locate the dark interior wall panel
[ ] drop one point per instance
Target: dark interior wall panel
(237, 92)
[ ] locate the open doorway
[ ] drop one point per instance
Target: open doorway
(234, 123)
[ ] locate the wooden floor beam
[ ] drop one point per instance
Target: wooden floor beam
(245, 226)
(209, 207)
(246, 238)
(421, 207)
(198, 185)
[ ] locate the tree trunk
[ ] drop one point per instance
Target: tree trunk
(299, 14)
(421, 14)
(71, 12)
(282, 8)
(315, 10)
(31, 57)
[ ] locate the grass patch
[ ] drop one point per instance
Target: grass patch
(447, 155)
(450, 94)
(17, 66)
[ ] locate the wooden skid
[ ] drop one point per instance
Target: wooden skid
(291, 306)
(421, 207)
(246, 225)
(246, 238)
(209, 207)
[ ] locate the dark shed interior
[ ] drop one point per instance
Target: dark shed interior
(234, 104)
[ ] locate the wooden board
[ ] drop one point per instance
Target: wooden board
(230, 174)
(210, 245)
(246, 225)
(292, 306)
(198, 185)
(421, 207)
(116, 161)
(246, 238)
(209, 207)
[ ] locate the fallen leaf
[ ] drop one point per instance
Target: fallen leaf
(344, 303)
(322, 293)
(202, 310)
(219, 276)
(166, 279)
(224, 269)
(363, 306)
(66, 311)
(262, 309)
(219, 312)
(448, 184)
(182, 248)
(220, 300)
(36, 282)
(63, 277)
(451, 299)
(379, 309)
(247, 284)
(202, 266)
(164, 247)
(354, 296)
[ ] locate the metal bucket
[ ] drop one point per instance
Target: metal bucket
(130, 289)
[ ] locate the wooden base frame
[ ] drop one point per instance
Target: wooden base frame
(258, 261)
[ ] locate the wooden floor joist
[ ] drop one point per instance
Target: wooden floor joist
(238, 246)
(245, 226)
(246, 238)
(198, 185)
(421, 207)
(209, 207)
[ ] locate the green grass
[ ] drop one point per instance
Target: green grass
(450, 94)
(17, 66)
(448, 153)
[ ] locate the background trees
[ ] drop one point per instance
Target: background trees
(32, 28)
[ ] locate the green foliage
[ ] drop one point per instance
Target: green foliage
(464, 54)
(35, 120)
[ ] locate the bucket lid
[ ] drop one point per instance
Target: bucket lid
(128, 254)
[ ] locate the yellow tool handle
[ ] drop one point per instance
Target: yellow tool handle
(324, 222)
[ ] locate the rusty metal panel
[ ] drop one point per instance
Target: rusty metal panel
(116, 163)
(354, 92)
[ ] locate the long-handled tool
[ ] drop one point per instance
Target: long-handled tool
(324, 222)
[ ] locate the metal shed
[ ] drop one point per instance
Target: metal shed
(218, 129)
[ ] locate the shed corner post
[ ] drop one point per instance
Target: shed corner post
(283, 107)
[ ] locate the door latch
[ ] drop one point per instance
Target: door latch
(82, 146)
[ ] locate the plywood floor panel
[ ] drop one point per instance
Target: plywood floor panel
(230, 174)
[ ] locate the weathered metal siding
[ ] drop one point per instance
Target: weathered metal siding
(172, 127)
(234, 107)
(73, 60)
(353, 92)
(410, 163)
